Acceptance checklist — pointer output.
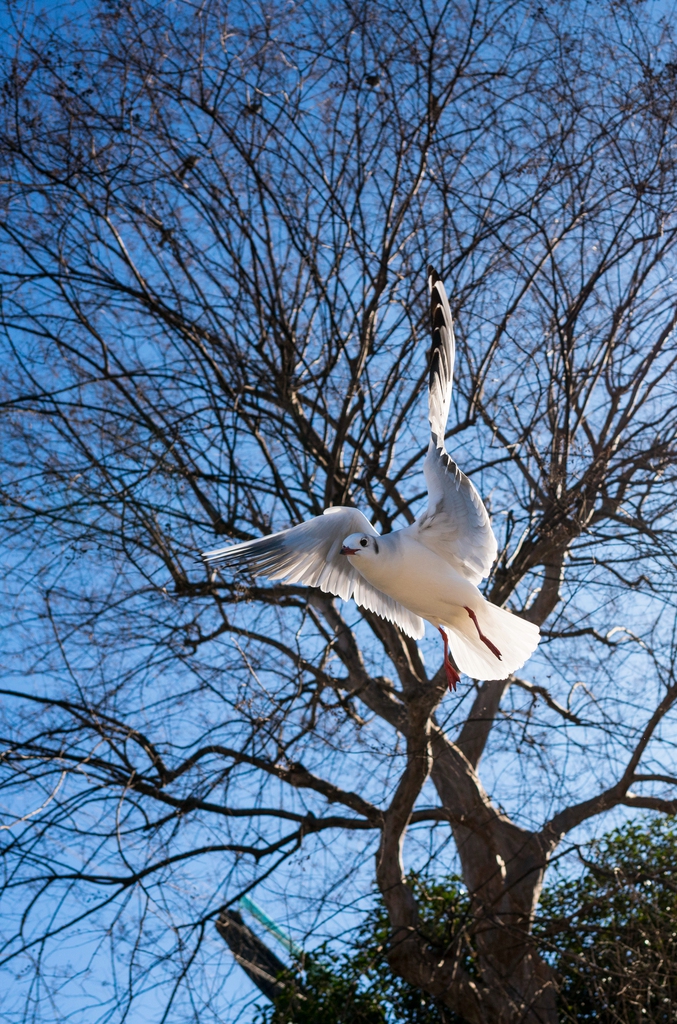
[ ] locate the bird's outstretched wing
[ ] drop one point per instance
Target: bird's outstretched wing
(311, 553)
(455, 525)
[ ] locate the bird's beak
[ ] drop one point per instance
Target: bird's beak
(348, 551)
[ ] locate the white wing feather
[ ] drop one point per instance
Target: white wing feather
(442, 358)
(311, 553)
(456, 525)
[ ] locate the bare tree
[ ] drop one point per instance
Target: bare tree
(216, 219)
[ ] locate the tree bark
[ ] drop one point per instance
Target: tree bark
(255, 958)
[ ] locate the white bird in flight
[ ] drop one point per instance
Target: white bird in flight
(429, 570)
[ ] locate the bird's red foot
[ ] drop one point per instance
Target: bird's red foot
(485, 639)
(453, 675)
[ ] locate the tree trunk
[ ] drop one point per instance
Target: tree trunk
(255, 958)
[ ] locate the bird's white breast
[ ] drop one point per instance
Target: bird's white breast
(417, 578)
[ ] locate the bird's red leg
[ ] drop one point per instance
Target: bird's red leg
(485, 639)
(453, 675)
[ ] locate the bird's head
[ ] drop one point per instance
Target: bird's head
(360, 544)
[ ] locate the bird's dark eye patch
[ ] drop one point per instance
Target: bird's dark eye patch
(364, 542)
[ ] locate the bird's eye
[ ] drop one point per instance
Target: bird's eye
(364, 542)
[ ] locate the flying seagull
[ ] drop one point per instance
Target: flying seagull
(429, 570)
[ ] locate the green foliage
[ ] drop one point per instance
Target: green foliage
(359, 987)
(332, 993)
(611, 935)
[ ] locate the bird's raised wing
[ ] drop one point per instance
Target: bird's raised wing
(311, 553)
(442, 357)
(455, 525)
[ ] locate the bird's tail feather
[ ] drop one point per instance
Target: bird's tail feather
(515, 638)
